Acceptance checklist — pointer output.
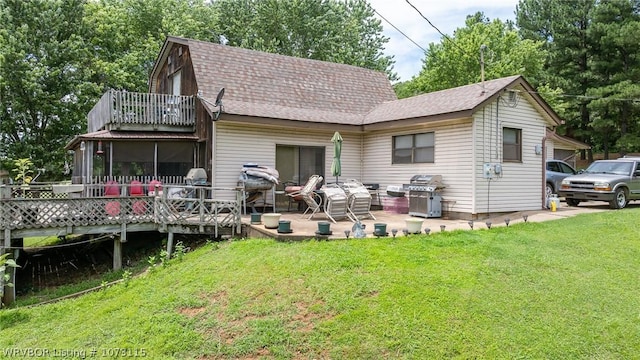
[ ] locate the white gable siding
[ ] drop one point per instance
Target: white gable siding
(520, 186)
(452, 160)
(237, 145)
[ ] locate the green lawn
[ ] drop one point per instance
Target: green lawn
(566, 289)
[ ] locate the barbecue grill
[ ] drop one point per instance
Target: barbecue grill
(424, 196)
(196, 177)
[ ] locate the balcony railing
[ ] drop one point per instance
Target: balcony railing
(123, 110)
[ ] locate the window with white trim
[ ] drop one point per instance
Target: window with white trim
(414, 148)
(511, 144)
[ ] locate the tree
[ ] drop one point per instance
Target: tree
(593, 56)
(337, 31)
(456, 61)
(563, 25)
(126, 36)
(42, 70)
(616, 65)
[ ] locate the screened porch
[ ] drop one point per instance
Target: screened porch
(124, 161)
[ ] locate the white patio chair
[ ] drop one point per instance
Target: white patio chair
(335, 202)
(359, 200)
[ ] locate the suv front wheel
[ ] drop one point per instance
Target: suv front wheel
(619, 200)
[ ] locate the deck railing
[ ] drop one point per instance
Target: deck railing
(66, 208)
(132, 110)
(95, 185)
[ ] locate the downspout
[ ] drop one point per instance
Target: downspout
(474, 132)
(213, 153)
(362, 157)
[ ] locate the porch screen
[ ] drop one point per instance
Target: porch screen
(174, 158)
(133, 158)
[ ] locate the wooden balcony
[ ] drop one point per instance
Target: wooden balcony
(131, 111)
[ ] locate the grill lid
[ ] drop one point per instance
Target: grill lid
(196, 174)
(434, 180)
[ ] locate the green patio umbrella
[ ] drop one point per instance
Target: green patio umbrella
(336, 169)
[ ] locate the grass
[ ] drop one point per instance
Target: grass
(562, 289)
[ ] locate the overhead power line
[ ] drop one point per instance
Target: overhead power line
(400, 31)
(440, 32)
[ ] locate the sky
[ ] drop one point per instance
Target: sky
(446, 15)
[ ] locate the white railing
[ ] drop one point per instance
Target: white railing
(123, 109)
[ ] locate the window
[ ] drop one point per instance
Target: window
(176, 83)
(511, 144)
(411, 149)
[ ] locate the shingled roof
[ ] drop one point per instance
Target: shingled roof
(267, 85)
(461, 100)
(285, 87)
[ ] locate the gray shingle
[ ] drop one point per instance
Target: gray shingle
(449, 101)
(271, 85)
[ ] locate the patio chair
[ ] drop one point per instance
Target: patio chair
(111, 188)
(359, 200)
(309, 196)
(151, 188)
(136, 188)
(335, 202)
(291, 187)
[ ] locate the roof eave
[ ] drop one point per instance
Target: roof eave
(394, 123)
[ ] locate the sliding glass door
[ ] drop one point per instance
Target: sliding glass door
(297, 163)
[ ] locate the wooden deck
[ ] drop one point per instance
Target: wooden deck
(38, 211)
(61, 210)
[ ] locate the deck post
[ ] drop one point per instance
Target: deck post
(123, 232)
(117, 253)
(7, 293)
(169, 244)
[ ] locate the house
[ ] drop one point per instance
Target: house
(219, 107)
(563, 148)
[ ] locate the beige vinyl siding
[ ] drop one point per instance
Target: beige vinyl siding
(236, 145)
(452, 160)
(520, 186)
(550, 148)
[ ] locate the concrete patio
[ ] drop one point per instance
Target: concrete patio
(303, 228)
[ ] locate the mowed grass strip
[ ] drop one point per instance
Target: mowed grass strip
(565, 289)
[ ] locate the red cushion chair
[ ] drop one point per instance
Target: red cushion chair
(136, 188)
(112, 188)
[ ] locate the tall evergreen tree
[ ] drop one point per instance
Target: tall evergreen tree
(615, 91)
(564, 25)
